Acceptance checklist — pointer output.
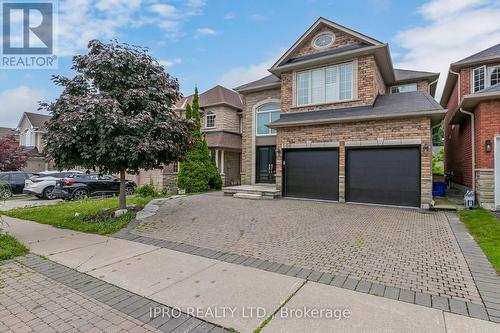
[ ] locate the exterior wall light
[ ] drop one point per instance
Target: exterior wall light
(487, 145)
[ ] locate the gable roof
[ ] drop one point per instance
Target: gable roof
(401, 105)
(264, 83)
(314, 28)
(217, 95)
(37, 120)
(491, 54)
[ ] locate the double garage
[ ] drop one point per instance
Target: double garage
(376, 175)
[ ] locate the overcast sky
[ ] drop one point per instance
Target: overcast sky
(209, 42)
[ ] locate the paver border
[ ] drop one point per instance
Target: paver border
(473, 310)
(128, 303)
(484, 275)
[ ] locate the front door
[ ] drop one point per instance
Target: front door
(266, 164)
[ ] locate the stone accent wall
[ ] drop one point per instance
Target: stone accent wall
(375, 131)
(423, 86)
(341, 39)
(226, 119)
(232, 168)
(250, 100)
(485, 188)
(368, 84)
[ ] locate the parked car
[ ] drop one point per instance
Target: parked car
(15, 182)
(41, 185)
(79, 186)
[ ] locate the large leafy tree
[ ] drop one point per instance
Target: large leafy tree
(12, 156)
(116, 115)
(198, 173)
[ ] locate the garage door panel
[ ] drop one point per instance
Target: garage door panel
(311, 174)
(384, 176)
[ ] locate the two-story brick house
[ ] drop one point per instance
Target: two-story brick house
(336, 121)
(472, 125)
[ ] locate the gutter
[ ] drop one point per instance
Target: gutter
(350, 119)
(430, 84)
(471, 115)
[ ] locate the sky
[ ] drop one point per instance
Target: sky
(208, 42)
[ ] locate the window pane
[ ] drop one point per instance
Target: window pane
(269, 107)
(495, 76)
(331, 87)
(317, 86)
(303, 88)
(275, 116)
(210, 121)
(345, 71)
(478, 79)
(262, 120)
(404, 88)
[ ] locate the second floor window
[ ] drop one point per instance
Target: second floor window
(266, 114)
(325, 85)
(210, 120)
(403, 88)
(484, 77)
(478, 79)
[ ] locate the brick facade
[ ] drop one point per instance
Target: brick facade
(376, 131)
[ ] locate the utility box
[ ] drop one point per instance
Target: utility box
(470, 199)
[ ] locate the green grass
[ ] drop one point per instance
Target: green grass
(485, 228)
(86, 215)
(10, 247)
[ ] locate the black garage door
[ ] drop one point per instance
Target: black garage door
(312, 174)
(383, 176)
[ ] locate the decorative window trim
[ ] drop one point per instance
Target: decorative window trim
(403, 85)
(354, 69)
(324, 33)
(211, 115)
(270, 132)
(473, 82)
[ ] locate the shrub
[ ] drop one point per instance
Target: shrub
(146, 191)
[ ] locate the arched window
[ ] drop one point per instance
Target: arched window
(210, 120)
(266, 114)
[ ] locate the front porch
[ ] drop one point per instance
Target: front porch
(255, 192)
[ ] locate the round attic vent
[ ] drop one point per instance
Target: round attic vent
(323, 40)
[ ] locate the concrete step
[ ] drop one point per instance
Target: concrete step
(250, 196)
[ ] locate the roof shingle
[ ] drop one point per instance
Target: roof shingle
(215, 96)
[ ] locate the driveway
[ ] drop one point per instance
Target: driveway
(405, 248)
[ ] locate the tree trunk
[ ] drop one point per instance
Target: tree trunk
(123, 199)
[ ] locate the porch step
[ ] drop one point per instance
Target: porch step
(251, 196)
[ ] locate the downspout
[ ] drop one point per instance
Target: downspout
(471, 115)
(430, 84)
(458, 80)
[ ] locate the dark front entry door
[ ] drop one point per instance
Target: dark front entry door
(312, 174)
(266, 164)
(389, 176)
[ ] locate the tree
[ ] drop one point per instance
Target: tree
(12, 156)
(115, 115)
(438, 136)
(198, 173)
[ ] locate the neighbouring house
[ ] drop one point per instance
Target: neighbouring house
(336, 121)
(31, 129)
(6, 131)
(472, 125)
(221, 114)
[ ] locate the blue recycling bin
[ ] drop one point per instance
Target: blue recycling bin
(438, 189)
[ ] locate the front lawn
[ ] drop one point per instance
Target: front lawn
(485, 228)
(10, 247)
(91, 215)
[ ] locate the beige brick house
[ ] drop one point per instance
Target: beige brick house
(221, 111)
(336, 121)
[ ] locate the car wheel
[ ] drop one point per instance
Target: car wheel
(80, 194)
(47, 193)
(5, 192)
(129, 190)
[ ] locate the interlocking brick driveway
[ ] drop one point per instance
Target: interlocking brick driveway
(31, 302)
(405, 248)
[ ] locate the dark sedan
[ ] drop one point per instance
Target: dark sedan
(80, 186)
(15, 181)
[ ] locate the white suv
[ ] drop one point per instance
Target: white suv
(42, 185)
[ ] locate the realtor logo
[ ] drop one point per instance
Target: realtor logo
(28, 34)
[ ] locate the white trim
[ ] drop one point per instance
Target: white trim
(323, 33)
(254, 130)
(330, 24)
(309, 144)
(496, 161)
(473, 83)
(207, 114)
(383, 142)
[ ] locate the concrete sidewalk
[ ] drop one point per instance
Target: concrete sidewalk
(231, 295)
